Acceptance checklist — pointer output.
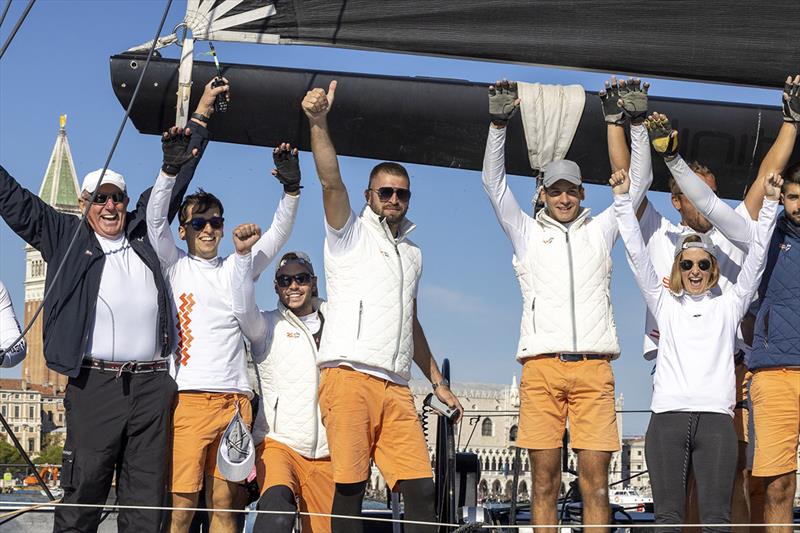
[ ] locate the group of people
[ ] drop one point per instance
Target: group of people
(156, 338)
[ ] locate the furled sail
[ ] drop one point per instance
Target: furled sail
(434, 121)
(731, 41)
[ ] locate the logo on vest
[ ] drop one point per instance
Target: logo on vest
(785, 246)
(547, 241)
(385, 254)
(292, 335)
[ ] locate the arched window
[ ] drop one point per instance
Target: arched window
(512, 435)
(486, 428)
(496, 488)
(494, 463)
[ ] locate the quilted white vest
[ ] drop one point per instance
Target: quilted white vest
(566, 297)
(371, 291)
(289, 379)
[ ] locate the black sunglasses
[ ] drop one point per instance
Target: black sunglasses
(687, 264)
(385, 193)
(198, 223)
(101, 198)
(285, 281)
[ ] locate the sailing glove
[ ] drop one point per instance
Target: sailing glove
(175, 146)
(791, 101)
(634, 100)
(663, 137)
(287, 169)
(609, 97)
(503, 103)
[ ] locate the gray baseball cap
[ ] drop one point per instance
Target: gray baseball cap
(296, 257)
(705, 243)
(561, 169)
(236, 454)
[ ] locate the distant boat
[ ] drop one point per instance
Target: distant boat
(629, 499)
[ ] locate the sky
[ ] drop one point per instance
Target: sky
(469, 301)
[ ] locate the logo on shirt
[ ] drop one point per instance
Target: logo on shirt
(292, 335)
(547, 241)
(184, 319)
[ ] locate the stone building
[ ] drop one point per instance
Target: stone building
(59, 189)
(489, 429)
(20, 405)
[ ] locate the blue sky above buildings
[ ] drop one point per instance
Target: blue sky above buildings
(469, 299)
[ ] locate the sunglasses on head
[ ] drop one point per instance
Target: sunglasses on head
(687, 264)
(385, 193)
(198, 223)
(102, 197)
(285, 281)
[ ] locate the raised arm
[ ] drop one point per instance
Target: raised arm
(753, 266)
(649, 283)
(287, 171)
(11, 353)
(503, 104)
(781, 150)
(36, 222)
(158, 230)
(316, 105)
(736, 228)
(252, 323)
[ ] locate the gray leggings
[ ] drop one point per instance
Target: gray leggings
(704, 442)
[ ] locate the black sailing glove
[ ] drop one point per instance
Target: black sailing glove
(503, 102)
(791, 100)
(663, 138)
(634, 100)
(287, 167)
(612, 111)
(175, 145)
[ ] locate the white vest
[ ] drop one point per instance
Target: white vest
(566, 297)
(371, 291)
(289, 379)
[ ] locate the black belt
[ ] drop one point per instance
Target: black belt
(132, 367)
(574, 357)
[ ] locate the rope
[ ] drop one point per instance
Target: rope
(16, 28)
(460, 528)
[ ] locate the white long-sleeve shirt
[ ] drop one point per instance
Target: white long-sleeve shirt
(9, 331)
(211, 354)
(660, 234)
(695, 369)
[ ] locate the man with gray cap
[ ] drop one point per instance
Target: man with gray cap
(562, 257)
(108, 326)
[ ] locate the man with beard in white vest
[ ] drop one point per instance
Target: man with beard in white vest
(372, 335)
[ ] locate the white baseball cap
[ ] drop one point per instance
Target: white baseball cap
(91, 179)
(705, 243)
(236, 455)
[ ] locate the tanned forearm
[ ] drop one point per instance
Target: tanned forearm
(618, 153)
(774, 163)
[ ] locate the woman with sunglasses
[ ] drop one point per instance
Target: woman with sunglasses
(693, 390)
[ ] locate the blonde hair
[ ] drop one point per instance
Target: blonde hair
(675, 280)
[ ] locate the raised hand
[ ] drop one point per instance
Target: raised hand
(633, 99)
(791, 99)
(663, 138)
(610, 98)
(503, 102)
(317, 102)
(620, 182)
(287, 167)
(244, 237)
(175, 146)
(772, 187)
(205, 106)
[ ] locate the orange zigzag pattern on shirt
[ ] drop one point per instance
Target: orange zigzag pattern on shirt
(184, 319)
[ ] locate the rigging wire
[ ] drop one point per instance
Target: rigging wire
(17, 26)
(5, 12)
(89, 202)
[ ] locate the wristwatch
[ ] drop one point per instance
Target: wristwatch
(201, 117)
(443, 381)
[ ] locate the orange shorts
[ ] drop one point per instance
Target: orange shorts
(741, 415)
(775, 394)
(553, 391)
(198, 421)
(309, 479)
(367, 417)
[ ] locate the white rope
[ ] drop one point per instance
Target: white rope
(367, 518)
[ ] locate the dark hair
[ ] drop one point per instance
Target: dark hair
(202, 201)
(396, 169)
(791, 175)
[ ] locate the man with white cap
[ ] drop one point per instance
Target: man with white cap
(562, 258)
(108, 326)
(293, 464)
